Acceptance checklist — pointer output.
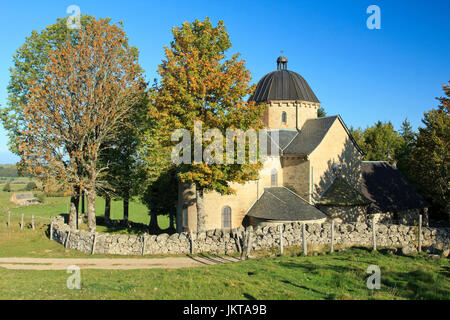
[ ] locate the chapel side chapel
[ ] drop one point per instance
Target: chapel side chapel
(316, 175)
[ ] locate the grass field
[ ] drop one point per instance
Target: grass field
(53, 206)
(341, 275)
(331, 276)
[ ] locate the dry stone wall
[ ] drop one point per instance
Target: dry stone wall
(224, 242)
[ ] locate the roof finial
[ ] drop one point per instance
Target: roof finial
(282, 62)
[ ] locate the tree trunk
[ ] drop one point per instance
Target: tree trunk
(126, 205)
(91, 194)
(201, 215)
(153, 226)
(107, 209)
(82, 202)
(73, 213)
(172, 221)
(74, 206)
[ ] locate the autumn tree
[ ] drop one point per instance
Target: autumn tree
(86, 93)
(430, 164)
(198, 83)
(29, 63)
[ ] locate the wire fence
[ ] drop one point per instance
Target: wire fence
(22, 221)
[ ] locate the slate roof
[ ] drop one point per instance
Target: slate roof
(280, 203)
(310, 136)
(341, 193)
(283, 85)
(389, 190)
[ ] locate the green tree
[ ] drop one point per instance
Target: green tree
(321, 112)
(358, 136)
(161, 197)
(31, 186)
(380, 142)
(125, 176)
(7, 187)
(431, 158)
(405, 149)
(199, 84)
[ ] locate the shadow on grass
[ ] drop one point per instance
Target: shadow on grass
(409, 277)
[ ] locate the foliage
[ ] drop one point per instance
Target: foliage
(161, 196)
(321, 112)
(198, 84)
(430, 161)
(381, 142)
(125, 175)
(78, 106)
(7, 187)
(31, 186)
(405, 149)
(30, 61)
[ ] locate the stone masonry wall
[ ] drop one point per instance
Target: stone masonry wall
(223, 242)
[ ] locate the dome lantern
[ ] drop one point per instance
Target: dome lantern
(282, 63)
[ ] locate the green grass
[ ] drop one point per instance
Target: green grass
(53, 206)
(326, 276)
(331, 276)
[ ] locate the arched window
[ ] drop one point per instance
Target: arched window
(283, 117)
(274, 178)
(226, 217)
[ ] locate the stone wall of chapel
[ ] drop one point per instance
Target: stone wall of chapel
(240, 202)
(296, 175)
(336, 147)
(297, 112)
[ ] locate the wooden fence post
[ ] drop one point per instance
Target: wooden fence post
(305, 247)
(332, 236)
(21, 223)
(143, 244)
(374, 239)
(419, 238)
(192, 241)
(280, 227)
(32, 221)
(248, 245)
(94, 242)
(51, 230)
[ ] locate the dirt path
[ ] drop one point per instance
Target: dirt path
(118, 263)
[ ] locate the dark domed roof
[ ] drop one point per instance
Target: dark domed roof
(283, 84)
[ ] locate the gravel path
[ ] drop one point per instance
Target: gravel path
(19, 263)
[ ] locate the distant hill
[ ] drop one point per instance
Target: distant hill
(8, 170)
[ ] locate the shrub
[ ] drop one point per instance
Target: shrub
(41, 197)
(7, 187)
(31, 186)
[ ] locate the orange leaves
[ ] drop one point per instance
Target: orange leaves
(89, 88)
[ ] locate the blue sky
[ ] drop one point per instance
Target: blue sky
(363, 75)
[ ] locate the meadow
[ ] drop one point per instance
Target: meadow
(341, 275)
